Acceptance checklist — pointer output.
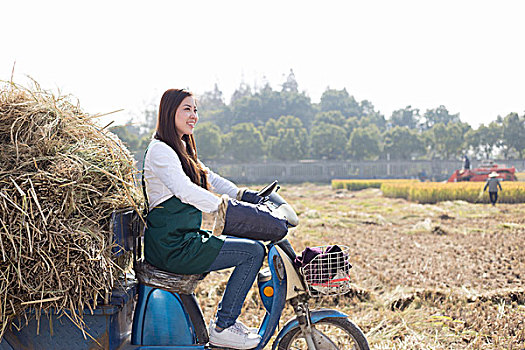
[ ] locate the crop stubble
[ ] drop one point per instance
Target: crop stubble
(443, 276)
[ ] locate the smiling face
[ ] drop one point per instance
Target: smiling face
(186, 117)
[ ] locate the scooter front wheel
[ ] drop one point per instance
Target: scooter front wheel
(341, 332)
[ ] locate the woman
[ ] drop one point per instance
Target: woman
(178, 190)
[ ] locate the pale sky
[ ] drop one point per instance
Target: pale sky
(467, 55)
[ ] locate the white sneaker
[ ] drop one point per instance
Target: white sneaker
(235, 337)
(253, 330)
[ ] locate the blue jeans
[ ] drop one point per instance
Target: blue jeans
(246, 256)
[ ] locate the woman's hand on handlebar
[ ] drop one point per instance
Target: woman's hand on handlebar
(249, 196)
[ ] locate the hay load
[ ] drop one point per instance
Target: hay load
(61, 177)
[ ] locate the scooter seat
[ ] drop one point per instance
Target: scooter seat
(149, 275)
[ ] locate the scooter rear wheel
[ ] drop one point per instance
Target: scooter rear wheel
(341, 331)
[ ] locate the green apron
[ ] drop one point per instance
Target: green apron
(174, 242)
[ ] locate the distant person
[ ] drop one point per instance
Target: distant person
(493, 184)
(422, 176)
(466, 163)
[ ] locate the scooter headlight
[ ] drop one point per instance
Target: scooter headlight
(279, 267)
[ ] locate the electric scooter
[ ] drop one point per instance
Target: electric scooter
(168, 315)
(158, 310)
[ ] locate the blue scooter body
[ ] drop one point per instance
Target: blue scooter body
(274, 304)
(161, 318)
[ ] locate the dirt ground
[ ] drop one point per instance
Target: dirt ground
(443, 276)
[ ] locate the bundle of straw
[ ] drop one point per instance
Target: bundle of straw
(61, 177)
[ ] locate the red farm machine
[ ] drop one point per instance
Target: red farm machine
(482, 172)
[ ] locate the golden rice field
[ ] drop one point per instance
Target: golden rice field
(433, 192)
(361, 184)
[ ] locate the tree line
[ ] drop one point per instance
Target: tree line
(267, 124)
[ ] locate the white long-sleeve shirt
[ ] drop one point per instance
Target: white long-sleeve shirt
(165, 178)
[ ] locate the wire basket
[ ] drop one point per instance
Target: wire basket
(328, 272)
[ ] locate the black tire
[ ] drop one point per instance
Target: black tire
(341, 331)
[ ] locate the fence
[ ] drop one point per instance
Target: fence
(324, 171)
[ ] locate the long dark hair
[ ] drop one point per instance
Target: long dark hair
(167, 132)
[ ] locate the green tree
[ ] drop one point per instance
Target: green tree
(289, 140)
(297, 104)
(407, 116)
(211, 100)
(248, 109)
(271, 128)
(485, 139)
(244, 142)
(447, 141)
(376, 119)
(220, 117)
(350, 124)
(337, 118)
(365, 143)
(367, 108)
(135, 136)
(330, 117)
(492, 138)
(513, 134)
(439, 115)
(208, 137)
(340, 100)
(327, 141)
(290, 85)
(289, 122)
(473, 140)
(243, 90)
(129, 134)
(289, 144)
(267, 103)
(370, 116)
(403, 143)
(212, 108)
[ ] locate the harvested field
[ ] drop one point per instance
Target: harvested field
(441, 276)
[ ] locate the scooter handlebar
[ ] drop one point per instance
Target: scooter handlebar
(278, 205)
